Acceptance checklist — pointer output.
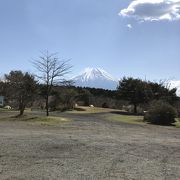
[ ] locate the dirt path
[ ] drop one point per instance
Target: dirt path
(89, 148)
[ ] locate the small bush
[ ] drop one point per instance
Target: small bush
(105, 105)
(161, 113)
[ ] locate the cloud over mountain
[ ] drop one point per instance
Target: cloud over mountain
(153, 10)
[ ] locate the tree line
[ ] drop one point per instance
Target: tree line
(21, 87)
(137, 91)
(49, 89)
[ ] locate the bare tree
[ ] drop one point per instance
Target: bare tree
(51, 71)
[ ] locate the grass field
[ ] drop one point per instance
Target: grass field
(87, 110)
(130, 119)
(51, 120)
(107, 114)
(114, 116)
(39, 120)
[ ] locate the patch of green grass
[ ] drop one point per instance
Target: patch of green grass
(1, 109)
(51, 120)
(130, 119)
(7, 110)
(177, 123)
(90, 110)
(40, 120)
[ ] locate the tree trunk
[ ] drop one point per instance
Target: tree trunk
(47, 105)
(21, 109)
(135, 108)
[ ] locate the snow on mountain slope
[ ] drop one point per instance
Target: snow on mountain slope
(175, 84)
(95, 78)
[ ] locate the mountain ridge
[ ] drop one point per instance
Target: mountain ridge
(95, 78)
(99, 78)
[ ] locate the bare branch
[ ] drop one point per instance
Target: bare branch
(51, 71)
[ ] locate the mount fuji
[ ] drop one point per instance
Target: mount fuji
(95, 78)
(175, 84)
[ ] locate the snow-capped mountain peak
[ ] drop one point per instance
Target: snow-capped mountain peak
(95, 73)
(175, 84)
(95, 77)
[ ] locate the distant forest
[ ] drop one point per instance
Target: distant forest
(67, 97)
(49, 90)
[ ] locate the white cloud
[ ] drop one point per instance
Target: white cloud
(153, 10)
(129, 26)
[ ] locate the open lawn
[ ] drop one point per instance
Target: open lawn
(114, 115)
(51, 120)
(87, 110)
(101, 145)
(106, 113)
(126, 118)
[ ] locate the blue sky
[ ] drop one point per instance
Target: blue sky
(126, 38)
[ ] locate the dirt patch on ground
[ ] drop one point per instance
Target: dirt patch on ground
(88, 148)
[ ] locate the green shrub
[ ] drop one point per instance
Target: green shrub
(161, 113)
(105, 105)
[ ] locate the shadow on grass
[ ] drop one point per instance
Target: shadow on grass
(126, 113)
(79, 109)
(22, 118)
